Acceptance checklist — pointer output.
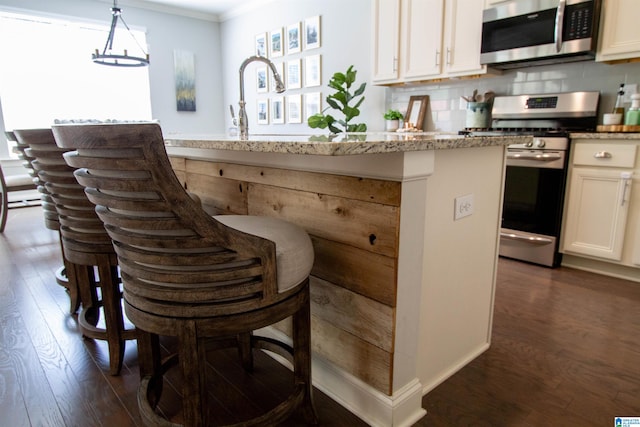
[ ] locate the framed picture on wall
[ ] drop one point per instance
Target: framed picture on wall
(312, 71)
(294, 78)
(294, 41)
(312, 32)
(262, 112)
(277, 110)
(276, 42)
(312, 104)
(261, 44)
(261, 80)
(294, 109)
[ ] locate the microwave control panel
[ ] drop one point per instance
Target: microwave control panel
(578, 21)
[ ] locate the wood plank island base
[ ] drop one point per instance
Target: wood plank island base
(402, 292)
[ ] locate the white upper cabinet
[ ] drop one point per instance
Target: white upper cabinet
(619, 30)
(437, 39)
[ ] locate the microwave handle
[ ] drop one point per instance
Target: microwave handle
(559, 24)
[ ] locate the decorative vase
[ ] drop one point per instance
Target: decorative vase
(392, 125)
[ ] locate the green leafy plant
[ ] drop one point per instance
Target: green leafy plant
(393, 115)
(340, 100)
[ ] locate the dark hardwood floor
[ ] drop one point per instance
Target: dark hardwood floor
(565, 351)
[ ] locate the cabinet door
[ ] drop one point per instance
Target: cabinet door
(386, 31)
(461, 47)
(421, 39)
(596, 213)
(619, 30)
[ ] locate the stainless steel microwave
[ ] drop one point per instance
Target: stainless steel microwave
(522, 33)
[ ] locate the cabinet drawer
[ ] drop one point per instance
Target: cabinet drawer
(611, 155)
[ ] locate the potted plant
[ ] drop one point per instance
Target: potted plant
(340, 101)
(392, 118)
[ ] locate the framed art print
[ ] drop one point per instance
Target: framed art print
(294, 109)
(312, 71)
(263, 112)
(312, 104)
(294, 77)
(312, 32)
(261, 44)
(276, 42)
(294, 41)
(261, 80)
(277, 110)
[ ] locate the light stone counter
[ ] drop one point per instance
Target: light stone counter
(340, 145)
(606, 135)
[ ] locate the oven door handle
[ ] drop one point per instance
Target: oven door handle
(546, 157)
(529, 239)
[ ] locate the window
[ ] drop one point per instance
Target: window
(47, 73)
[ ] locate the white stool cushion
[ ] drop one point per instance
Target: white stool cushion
(294, 251)
(18, 180)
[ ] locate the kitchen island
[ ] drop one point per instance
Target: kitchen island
(405, 232)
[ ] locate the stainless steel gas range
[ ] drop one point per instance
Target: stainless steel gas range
(536, 172)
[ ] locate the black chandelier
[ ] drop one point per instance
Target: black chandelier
(107, 57)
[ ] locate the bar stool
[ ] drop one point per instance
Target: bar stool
(192, 276)
(51, 220)
(91, 261)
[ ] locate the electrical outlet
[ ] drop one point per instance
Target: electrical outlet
(463, 206)
(629, 89)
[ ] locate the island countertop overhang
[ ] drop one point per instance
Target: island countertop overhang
(342, 144)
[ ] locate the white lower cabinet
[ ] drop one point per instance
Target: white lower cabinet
(602, 208)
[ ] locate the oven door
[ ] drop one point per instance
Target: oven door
(532, 209)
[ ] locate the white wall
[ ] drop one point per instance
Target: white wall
(345, 41)
(165, 33)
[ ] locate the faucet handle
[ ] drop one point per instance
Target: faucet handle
(233, 116)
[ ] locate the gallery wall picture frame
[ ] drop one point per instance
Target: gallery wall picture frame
(276, 43)
(312, 32)
(417, 110)
(262, 111)
(312, 104)
(185, 80)
(277, 110)
(262, 84)
(261, 44)
(294, 108)
(294, 74)
(313, 70)
(293, 38)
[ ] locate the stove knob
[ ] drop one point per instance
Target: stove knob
(541, 143)
(528, 144)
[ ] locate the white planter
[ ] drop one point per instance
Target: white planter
(392, 125)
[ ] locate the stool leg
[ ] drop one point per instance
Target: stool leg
(150, 364)
(244, 349)
(192, 355)
(113, 316)
(302, 359)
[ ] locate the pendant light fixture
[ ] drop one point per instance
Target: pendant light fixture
(107, 57)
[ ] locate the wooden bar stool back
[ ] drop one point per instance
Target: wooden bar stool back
(51, 221)
(92, 262)
(189, 275)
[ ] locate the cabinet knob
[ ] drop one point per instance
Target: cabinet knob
(602, 155)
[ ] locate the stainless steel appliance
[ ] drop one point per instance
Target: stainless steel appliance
(536, 32)
(536, 172)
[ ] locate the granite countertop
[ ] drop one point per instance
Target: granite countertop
(341, 145)
(606, 135)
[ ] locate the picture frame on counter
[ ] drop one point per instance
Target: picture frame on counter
(294, 74)
(312, 71)
(312, 104)
(417, 110)
(277, 110)
(261, 44)
(294, 108)
(262, 112)
(262, 80)
(293, 39)
(312, 32)
(276, 46)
